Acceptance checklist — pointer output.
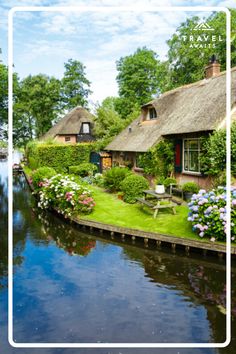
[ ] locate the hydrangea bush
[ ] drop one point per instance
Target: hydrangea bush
(66, 195)
(208, 213)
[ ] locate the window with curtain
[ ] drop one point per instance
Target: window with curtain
(192, 150)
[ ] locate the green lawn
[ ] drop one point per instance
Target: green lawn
(110, 210)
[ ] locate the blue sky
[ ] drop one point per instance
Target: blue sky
(43, 41)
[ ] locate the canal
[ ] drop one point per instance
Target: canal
(70, 286)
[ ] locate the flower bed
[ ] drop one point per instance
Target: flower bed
(208, 213)
(66, 195)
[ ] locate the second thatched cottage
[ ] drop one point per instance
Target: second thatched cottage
(185, 115)
(75, 127)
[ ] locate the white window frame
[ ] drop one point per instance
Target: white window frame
(198, 173)
(83, 124)
(149, 117)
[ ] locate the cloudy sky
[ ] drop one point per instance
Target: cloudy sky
(43, 41)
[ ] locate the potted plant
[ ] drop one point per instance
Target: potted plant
(160, 188)
(189, 189)
(168, 182)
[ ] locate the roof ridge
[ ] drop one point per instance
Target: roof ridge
(186, 86)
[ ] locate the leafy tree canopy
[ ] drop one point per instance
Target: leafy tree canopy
(138, 77)
(75, 86)
(186, 63)
(36, 107)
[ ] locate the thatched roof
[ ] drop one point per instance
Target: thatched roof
(70, 123)
(197, 107)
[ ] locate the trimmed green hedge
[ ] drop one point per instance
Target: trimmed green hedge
(58, 156)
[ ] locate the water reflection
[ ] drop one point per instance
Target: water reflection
(107, 291)
(3, 224)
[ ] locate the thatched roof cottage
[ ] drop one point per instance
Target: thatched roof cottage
(75, 127)
(184, 114)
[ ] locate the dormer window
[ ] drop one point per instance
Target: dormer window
(152, 114)
(85, 128)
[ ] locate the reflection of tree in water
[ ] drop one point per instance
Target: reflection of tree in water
(201, 280)
(3, 234)
(65, 236)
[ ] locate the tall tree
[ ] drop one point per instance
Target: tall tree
(108, 122)
(36, 107)
(3, 93)
(187, 59)
(138, 77)
(4, 98)
(75, 86)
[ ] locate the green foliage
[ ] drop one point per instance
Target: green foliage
(3, 144)
(159, 160)
(40, 175)
(109, 122)
(4, 98)
(138, 78)
(58, 156)
(186, 63)
(114, 177)
(190, 187)
(3, 93)
(36, 107)
(168, 181)
(98, 180)
(84, 169)
(133, 186)
(213, 156)
(75, 85)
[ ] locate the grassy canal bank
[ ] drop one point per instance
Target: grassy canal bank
(115, 216)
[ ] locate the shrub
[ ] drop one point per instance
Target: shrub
(84, 169)
(208, 213)
(168, 181)
(190, 187)
(213, 156)
(66, 196)
(98, 179)
(114, 177)
(133, 186)
(41, 175)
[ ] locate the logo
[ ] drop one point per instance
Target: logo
(202, 37)
(203, 26)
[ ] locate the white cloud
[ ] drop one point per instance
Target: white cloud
(45, 40)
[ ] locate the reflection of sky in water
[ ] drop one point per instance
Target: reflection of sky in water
(113, 293)
(101, 297)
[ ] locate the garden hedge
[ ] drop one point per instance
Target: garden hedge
(57, 156)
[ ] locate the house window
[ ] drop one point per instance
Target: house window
(191, 151)
(67, 138)
(152, 113)
(85, 128)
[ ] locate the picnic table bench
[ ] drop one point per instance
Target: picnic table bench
(157, 201)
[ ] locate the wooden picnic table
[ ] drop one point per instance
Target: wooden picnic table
(155, 202)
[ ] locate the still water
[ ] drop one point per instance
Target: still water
(75, 287)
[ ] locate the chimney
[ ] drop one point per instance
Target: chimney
(213, 68)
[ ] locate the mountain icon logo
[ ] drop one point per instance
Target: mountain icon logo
(203, 26)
